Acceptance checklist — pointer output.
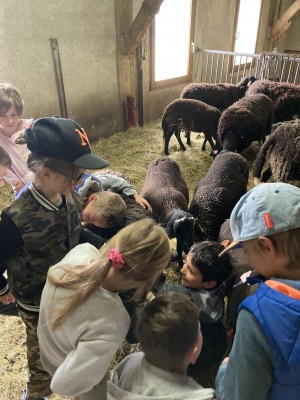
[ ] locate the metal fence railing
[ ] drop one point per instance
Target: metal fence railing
(214, 66)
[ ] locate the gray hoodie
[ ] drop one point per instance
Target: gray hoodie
(136, 379)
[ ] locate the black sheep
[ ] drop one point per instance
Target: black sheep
(218, 192)
(285, 97)
(167, 192)
(190, 115)
(219, 95)
(249, 119)
(282, 151)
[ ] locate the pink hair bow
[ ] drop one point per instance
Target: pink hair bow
(116, 258)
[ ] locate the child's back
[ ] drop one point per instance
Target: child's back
(170, 336)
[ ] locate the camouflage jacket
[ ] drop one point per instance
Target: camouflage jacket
(34, 235)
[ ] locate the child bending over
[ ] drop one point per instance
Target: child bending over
(169, 332)
(264, 363)
(83, 320)
(42, 226)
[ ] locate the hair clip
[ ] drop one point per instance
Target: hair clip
(116, 258)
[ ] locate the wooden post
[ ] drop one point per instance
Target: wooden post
(140, 25)
(283, 23)
(125, 63)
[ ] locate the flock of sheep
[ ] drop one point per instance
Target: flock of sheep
(231, 118)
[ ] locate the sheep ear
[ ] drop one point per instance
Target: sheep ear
(169, 229)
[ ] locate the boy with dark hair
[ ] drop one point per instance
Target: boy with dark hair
(202, 276)
(264, 362)
(169, 332)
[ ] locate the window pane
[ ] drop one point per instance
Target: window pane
(247, 27)
(172, 39)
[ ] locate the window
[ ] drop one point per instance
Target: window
(247, 28)
(172, 34)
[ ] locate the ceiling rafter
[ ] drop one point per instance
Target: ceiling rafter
(283, 23)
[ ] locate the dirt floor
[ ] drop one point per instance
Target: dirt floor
(130, 153)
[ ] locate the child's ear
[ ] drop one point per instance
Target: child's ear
(209, 284)
(45, 173)
(267, 246)
(92, 197)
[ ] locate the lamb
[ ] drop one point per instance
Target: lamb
(190, 115)
(167, 192)
(246, 121)
(285, 97)
(282, 151)
(218, 192)
(220, 95)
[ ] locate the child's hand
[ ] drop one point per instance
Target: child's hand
(226, 243)
(142, 202)
(17, 186)
(7, 298)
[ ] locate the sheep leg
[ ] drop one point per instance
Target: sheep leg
(177, 134)
(210, 141)
(179, 250)
(204, 144)
(188, 137)
(166, 140)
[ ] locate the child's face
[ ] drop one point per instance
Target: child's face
(9, 121)
(90, 214)
(60, 183)
(191, 276)
(3, 171)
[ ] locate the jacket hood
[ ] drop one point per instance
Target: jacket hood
(136, 379)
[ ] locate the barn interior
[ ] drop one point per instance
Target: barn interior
(97, 62)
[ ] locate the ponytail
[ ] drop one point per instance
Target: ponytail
(145, 251)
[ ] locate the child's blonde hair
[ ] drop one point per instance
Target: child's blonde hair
(286, 243)
(110, 206)
(10, 96)
(145, 248)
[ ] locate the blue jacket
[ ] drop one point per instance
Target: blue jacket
(279, 317)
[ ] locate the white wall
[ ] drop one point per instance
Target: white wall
(85, 30)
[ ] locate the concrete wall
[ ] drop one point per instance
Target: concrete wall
(87, 44)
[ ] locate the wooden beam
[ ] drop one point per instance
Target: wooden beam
(140, 25)
(125, 63)
(283, 23)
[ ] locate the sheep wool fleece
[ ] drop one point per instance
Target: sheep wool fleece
(78, 353)
(136, 379)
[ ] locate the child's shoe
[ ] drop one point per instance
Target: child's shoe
(25, 397)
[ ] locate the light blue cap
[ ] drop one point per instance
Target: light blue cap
(267, 209)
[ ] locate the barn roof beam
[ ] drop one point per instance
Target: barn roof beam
(283, 23)
(140, 25)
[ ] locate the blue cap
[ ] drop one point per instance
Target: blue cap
(265, 210)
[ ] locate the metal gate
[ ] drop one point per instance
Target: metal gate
(214, 66)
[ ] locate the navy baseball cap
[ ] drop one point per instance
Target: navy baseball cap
(62, 138)
(265, 210)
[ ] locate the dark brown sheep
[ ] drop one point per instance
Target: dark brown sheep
(285, 97)
(282, 152)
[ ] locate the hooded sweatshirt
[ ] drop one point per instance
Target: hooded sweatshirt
(136, 379)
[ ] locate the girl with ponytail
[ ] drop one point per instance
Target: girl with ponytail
(82, 319)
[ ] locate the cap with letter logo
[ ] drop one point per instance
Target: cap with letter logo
(62, 138)
(265, 210)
